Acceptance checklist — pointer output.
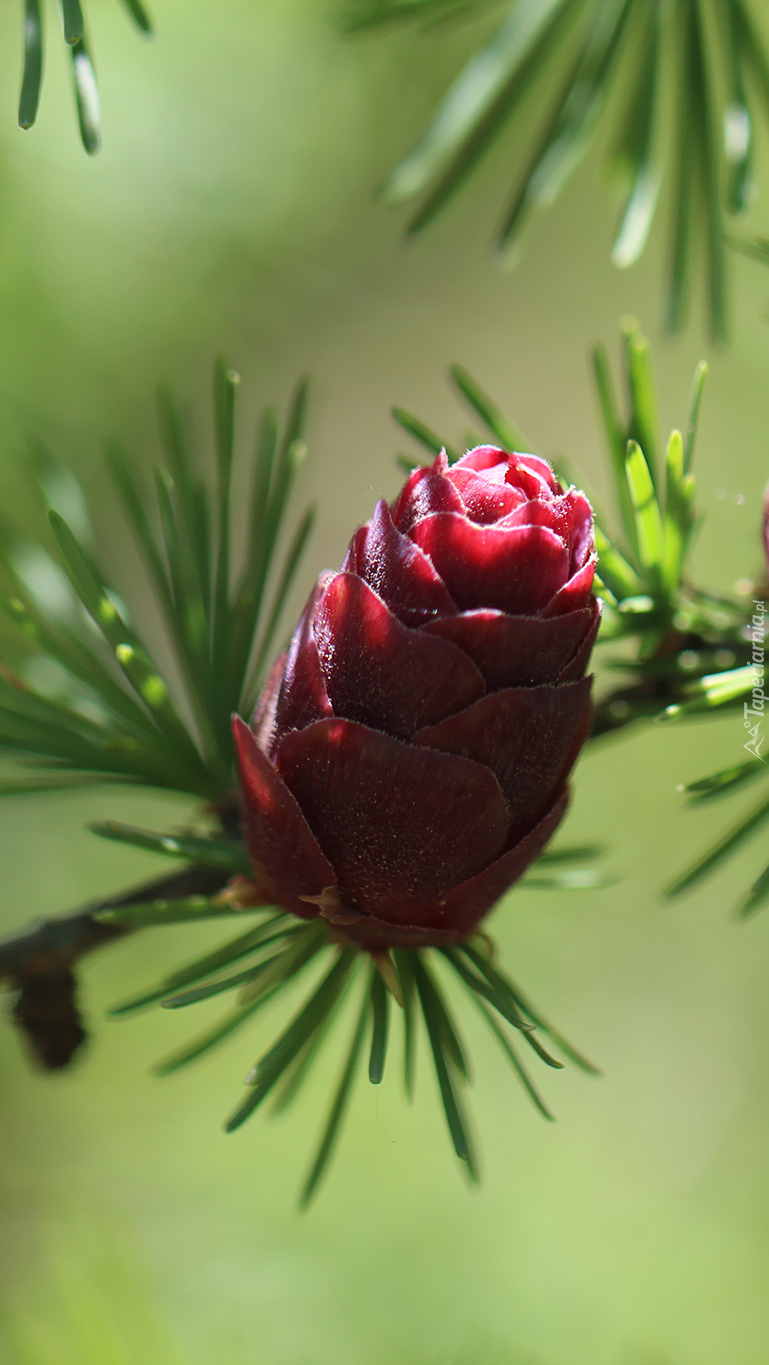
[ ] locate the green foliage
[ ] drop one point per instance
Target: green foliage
(755, 248)
(681, 86)
(370, 14)
(228, 854)
(279, 948)
(741, 689)
(552, 872)
(728, 783)
(117, 718)
(685, 639)
(744, 830)
(83, 74)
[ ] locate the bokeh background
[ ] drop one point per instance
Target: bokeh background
(233, 211)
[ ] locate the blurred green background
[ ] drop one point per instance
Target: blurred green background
(232, 210)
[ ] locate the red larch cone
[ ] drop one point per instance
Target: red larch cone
(409, 756)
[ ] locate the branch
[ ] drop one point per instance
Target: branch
(646, 693)
(37, 963)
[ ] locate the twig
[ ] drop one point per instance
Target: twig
(37, 963)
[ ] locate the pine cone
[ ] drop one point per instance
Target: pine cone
(409, 756)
